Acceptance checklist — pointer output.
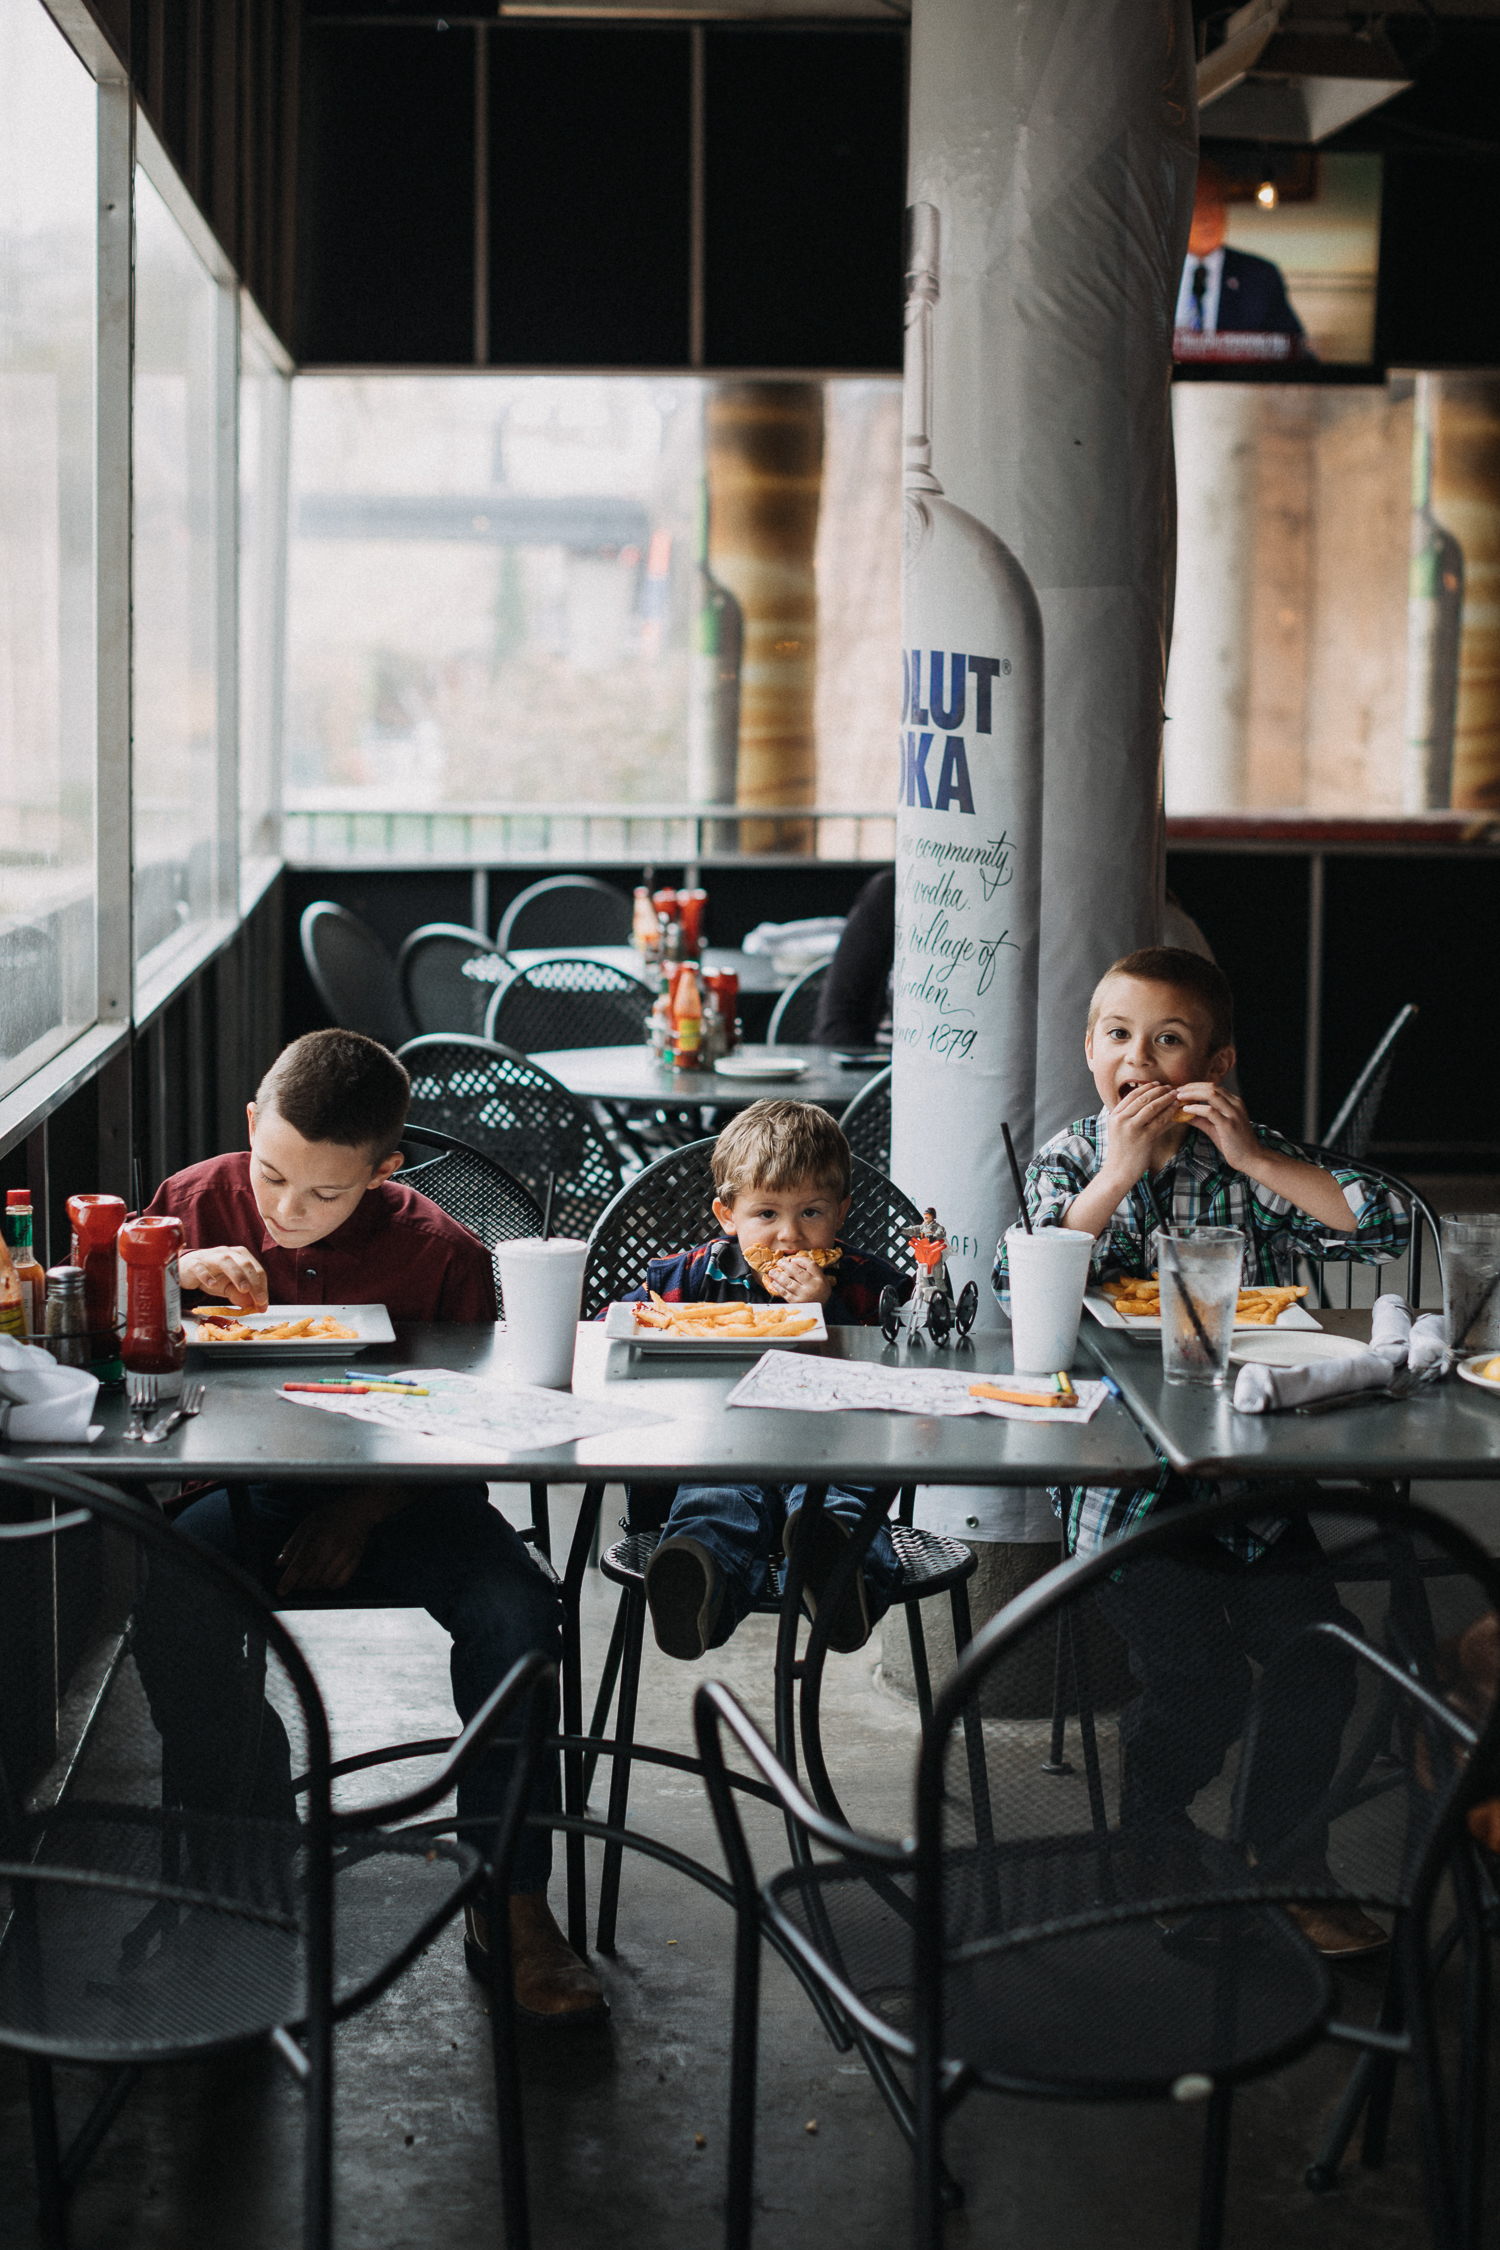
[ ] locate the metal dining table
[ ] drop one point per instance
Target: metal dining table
(631, 1079)
(1443, 1430)
(246, 1432)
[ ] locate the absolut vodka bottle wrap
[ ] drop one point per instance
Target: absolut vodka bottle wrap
(968, 832)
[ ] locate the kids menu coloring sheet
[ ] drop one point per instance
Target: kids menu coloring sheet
(830, 1386)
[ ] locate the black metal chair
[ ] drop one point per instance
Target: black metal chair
(447, 977)
(354, 976)
(472, 1188)
(193, 1890)
(566, 910)
(669, 1206)
(1353, 1126)
(796, 1012)
(498, 1102)
(1337, 1257)
(568, 1003)
(1097, 1943)
(866, 1122)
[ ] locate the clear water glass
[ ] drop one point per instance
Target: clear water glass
(1471, 1280)
(1199, 1271)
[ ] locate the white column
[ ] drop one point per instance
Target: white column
(1053, 154)
(1207, 733)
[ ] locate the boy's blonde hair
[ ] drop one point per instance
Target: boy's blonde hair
(778, 1144)
(1186, 972)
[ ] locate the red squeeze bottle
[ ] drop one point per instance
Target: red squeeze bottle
(97, 1220)
(155, 1343)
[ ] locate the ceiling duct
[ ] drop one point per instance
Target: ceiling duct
(1263, 83)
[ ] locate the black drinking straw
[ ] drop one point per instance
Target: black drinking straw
(1167, 1252)
(547, 1208)
(1015, 1173)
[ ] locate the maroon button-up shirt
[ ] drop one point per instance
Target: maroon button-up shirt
(396, 1248)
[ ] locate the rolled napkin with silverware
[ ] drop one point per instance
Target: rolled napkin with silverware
(1417, 1342)
(42, 1403)
(1260, 1389)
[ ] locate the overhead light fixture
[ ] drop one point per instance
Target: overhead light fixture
(1266, 196)
(1298, 86)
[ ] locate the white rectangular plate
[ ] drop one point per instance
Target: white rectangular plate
(372, 1321)
(1295, 1316)
(620, 1328)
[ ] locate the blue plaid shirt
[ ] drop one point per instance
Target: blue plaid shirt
(1197, 1188)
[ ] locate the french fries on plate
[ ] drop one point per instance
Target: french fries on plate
(224, 1324)
(1257, 1308)
(726, 1321)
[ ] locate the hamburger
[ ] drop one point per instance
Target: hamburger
(764, 1255)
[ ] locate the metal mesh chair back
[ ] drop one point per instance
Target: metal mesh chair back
(447, 976)
(171, 1911)
(1308, 1727)
(867, 1121)
(1332, 1276)
(796, 1012)
(1353, 1126)
(472, 1188)
(354, 975)
(567, 910)
(497, 1102)
(568, 1003)
(669, 1207)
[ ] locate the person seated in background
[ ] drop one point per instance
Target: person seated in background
(1171, 1148)
(854, 1004)
(311, 1214)
(781, 1178)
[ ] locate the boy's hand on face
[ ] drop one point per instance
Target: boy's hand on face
(1226, 1121)
(227, 1272)
(797, 1280)
(1136, 1124)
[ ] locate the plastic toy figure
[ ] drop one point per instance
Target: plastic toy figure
(930, 1306)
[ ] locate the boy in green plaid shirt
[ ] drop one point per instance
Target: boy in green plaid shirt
(1170, 1148)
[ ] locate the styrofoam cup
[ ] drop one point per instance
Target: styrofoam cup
(542, 1285)
(1049, 1271)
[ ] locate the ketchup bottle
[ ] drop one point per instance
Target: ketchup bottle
(97, 1220)
(155, 1343)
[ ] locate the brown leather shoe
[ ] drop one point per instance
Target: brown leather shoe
(553, 1989)
(1339, 1929)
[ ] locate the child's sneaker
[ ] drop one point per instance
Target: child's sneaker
(852, 1624)
(684, 1593)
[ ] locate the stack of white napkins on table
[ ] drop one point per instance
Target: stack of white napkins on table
(42, 1403)
(1396, 1342)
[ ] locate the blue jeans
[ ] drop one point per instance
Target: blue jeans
(741, 1526)
(455, 1556)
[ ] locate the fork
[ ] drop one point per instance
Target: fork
(191, 1403)
(143, 1398)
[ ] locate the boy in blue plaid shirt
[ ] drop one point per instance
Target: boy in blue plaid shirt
(781, 1179)
(1170, 1148)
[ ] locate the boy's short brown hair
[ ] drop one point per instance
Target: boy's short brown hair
(778, 1144)
(1189, 972)
(339, 1086)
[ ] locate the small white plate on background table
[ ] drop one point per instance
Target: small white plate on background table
(371, 1323)
(620, 1328)
(1295, 1316)
(761, 1062)
(1269, 1347)
(1469, 1370)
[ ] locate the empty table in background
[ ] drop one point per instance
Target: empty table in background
(629, 1077)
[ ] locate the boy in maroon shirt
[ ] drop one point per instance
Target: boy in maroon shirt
(312, 1215)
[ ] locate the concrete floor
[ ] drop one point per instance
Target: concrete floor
(211, 2155)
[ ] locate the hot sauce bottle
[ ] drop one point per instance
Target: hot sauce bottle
(154, 1343)
(688, 1017)
(22, 1256)
(12, 1305)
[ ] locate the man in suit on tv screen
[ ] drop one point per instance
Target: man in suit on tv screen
(1228, 292)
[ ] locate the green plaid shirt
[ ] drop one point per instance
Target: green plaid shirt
(1197, 1188)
